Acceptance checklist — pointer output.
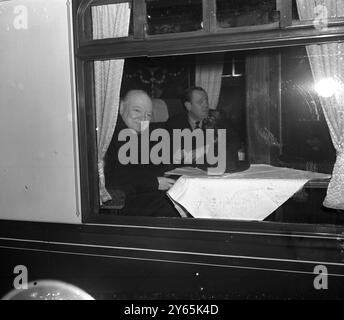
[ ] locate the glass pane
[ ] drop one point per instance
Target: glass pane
(166, 16)
(111, 21)
(238, 13)
(269, 101)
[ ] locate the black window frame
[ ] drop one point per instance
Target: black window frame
(170, 44)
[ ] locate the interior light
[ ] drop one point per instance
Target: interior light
(327, 87)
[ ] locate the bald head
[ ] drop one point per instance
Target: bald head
(136, 107)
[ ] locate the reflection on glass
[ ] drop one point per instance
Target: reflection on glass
(112, 21)
(307, 142)
(327, 87)
(238, 13)
(166, 16)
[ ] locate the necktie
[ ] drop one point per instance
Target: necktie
(197, 124)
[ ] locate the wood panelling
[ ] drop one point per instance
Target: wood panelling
(263, 105)
(144, 262)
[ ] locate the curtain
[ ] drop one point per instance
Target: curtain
(109, 21)
(209, 76)
(327, 62)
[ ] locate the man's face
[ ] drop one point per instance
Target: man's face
(198, 107)
(136, 109)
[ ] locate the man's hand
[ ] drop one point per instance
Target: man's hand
(165, 183)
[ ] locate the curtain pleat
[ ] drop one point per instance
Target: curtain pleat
(327, 62)
(109, 21)
(209, 76)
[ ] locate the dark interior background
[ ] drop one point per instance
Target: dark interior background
(306, 143)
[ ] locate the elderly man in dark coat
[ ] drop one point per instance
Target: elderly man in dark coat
(144, 185)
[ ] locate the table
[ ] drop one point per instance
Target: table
(249, 195)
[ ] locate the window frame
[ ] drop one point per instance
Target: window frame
(172, 44)
(140, 21)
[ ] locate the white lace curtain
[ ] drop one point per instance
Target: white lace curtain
(209, 76)
(109, 21)
(327, 62)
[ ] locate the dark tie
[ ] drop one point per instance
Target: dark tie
(197, 124)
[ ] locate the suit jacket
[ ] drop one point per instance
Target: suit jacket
(179, 121)
(233, 142)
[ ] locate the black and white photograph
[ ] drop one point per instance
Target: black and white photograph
(171, 155)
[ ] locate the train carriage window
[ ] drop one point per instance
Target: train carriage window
(279, 99)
